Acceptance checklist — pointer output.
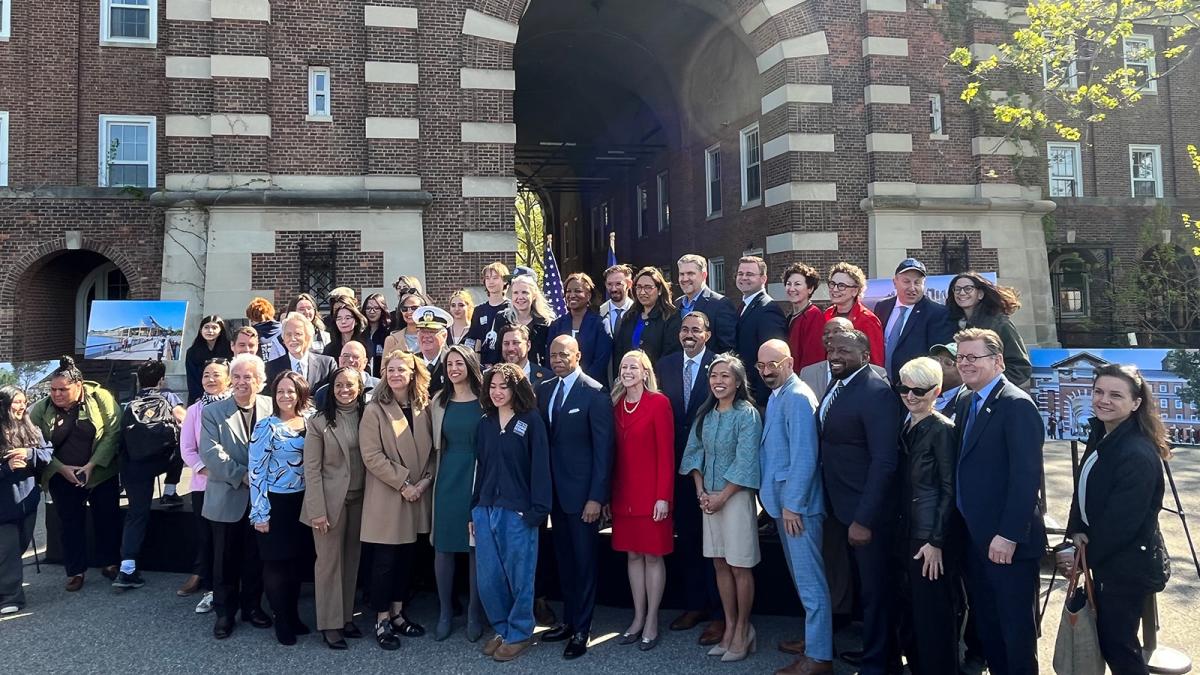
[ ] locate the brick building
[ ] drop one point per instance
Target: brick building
(211, 150)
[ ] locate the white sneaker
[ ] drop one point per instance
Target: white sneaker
(9, 609)
(205, 604)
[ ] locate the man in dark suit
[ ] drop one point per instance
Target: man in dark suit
(999, 472)
(514, 346)
(297, 337)
(578, 415)
(859, 420)
(912, 323)
(683, 378)
(432, 325)
(722, 317)
(760, 320)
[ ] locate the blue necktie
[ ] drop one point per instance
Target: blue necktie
(559, 399)
(894, 337)
(688, 378)
(972, 413)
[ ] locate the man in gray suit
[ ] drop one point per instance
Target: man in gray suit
(225, 448)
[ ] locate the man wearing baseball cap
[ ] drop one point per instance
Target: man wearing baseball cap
(946, 355)
(912, 323)
(432, 323)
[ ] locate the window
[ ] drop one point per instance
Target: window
(1064, 169)
(3, 146)
(1162, 388)
(1139, 55)
(127, 21)
(318, 95)
(1162, 403)
(5, 19)
(1145, 170)
(664, 202)
(751, 167)
(716, 274)
(1065, 73)
(1178, 404)
(712, 180)
(935, 115)
(642, 199)
(1070, 279)
(127, 151)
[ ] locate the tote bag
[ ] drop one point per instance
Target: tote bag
(1077, 647)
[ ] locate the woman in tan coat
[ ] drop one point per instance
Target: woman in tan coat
(333, 504)
(396, 438)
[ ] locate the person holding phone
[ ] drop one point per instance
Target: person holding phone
(23, 453)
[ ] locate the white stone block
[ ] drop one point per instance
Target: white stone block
(813, 44)
(800, 192)
(391, 72)
(235, 65)
(482, 78)
(484, 26)
(489, 132)
(393, 127)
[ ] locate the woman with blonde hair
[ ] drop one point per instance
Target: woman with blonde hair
(461, 309)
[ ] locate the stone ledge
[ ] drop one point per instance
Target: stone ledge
(336, 198)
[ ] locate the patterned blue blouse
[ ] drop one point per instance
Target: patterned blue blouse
(276, 464)
(728, 450)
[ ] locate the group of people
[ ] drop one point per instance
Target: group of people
(894, 452)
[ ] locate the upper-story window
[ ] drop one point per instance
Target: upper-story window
(664, 201)
(712, 181)
(642, 198)
(5, 19)
(1145, 171)
(1139, 55)
(936, 128)
(318, 94)
(127, 151)
(716, 274)
(1064, 169)
(132, 22)
(1066, 73)
(751, 166)
(3, 148)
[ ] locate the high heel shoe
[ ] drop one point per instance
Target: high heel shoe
(717, 650)
(337, 643)
(629, 638)
(474, 630)
(751, 647)
(442, 630)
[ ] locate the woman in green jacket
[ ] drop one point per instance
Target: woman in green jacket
(80, 419)
(975, 302)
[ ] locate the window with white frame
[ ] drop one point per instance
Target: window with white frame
(935, 115)
(128, 21)
(1139, 56)
(5, 19)
(664, 202)
(318, 94)
(1162, 403)
(716, 274)
(1066, 74)
(3, 148)
(642, 199)
(712, 181)
(1064, 169)
(1145, 171)
(127, 151)
(751, 166)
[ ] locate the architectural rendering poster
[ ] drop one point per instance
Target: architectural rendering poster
(936, 288)
(136, 330)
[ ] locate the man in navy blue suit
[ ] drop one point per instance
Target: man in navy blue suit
(722, 317)
(578, 415)
(912, 323)
(760, 320)
(859, 423)
(999, 473)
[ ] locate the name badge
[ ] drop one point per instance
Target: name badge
(483, 320)
(520, 428)
(572, 411)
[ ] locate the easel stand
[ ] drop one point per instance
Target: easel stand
(1160, 659)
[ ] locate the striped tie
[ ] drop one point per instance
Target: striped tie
(833, 394)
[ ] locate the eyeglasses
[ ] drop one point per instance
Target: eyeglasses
(772, 365)
(839, 286)
(916, 391)
(409, 310)
(965, 290)
(972, 358)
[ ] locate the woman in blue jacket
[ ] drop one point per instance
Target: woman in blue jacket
(510, 500)
(23, 454)
(585, 325)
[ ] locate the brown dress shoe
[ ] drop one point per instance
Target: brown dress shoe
(508, 652)
(110, 572)
(792, 647)
(687, 620)
(189, 587)
(713, 633)
(806, 666)
(74, 583)
(490, 647)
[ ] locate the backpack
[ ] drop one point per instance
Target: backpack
(149, 431)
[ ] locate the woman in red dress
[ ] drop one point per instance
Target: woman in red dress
(642, 488)
(847, 283)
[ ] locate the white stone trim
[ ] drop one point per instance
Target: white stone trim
(391, 72)
(489, 242)
(1001, 96)
(484, 26)
(883, 6)
(241, 10)
(390, 17)
(381, 182)
(998, 145)
(190, 182)
(484, 78)
(813, 44)
(884, 142)
(800, 192)
(189, 10)
(237, 124)
(762, 12)
(886, 93)
(801, 241)
(797, 142)
(489, 186)
(797, 93)
(394, 127)
(189, 67)
(884, 46)
(984, 50)
(233, 65)
(489, 132)
(195, 126)
(991, 9)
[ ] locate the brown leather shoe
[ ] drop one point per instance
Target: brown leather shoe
(74, 583)
(713, 633)
(687, 620)
(806, 666)
(189, 587)
(792, 647)
(508, 652)
(110, 572)
(490, 647)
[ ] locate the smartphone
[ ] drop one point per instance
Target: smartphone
(81, 475)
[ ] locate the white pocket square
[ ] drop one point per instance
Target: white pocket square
(572, 411)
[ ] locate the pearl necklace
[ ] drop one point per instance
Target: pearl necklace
(628, 410)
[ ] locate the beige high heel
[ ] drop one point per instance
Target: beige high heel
(751, 647)
(717, 650)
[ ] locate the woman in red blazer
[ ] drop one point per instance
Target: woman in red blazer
(807, 321)
(642, 488)
(846, 284)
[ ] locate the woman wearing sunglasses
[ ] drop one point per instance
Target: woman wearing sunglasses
(929, 630)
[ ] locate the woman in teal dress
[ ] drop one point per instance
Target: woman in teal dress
(456, 413)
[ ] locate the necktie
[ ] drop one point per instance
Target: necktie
(689, 374)
(972, 413)
(300, 369)
(616, 316)
(559, 398)
(894, 337)
(833, 394)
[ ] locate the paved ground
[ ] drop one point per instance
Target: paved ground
(99, 630)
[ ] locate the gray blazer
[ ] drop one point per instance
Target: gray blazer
(816, 376)
(225, 449)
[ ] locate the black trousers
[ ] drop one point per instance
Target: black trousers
(139, 490)
(237, 570)
(929, 622)
(203, 565)
(575, 545)
(281, 583)
(696, 573)
(1118, 617)
(71, 502)
(174, 470)
(872, 563)
(391, 574)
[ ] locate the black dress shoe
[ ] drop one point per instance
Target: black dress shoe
(576, 646)
(351, 630)
(852, 657)
(402, 625)
(223, 628)
(337, 643)
(299, 627)
(284, 633)
(559, 633)
(256, 618)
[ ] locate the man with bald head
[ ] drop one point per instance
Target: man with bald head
(354, 355)
(792, 494)
(297, 337)
(816, 375)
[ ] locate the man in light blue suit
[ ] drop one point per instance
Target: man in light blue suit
(793, 495)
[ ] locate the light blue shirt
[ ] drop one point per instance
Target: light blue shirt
(276, 465)
(984, 393)
(564, 385)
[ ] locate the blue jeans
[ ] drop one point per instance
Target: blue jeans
(803, 554)
(505, 562)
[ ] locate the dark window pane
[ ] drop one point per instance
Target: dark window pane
(129, 23)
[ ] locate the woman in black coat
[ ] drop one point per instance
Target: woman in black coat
(211, 342)
(1114, 512)
(654, 329)
(929, 627)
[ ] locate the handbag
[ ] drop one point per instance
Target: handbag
(1160, 569)
(1077, 647)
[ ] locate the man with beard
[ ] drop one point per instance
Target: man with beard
(618, 281)
(298, 337)
(514, 343)
(816, 375)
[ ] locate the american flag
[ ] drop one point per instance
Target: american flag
(612, 257)
(552, 286)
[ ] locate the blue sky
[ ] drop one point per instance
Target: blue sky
(108, 314)
(1144, 359)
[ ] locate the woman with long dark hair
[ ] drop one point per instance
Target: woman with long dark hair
(975, 302)
(349, 325)
(1114, 512)
(405, 335)
(23, 454)
(652, 323)
(379, 326)
(211, 342)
